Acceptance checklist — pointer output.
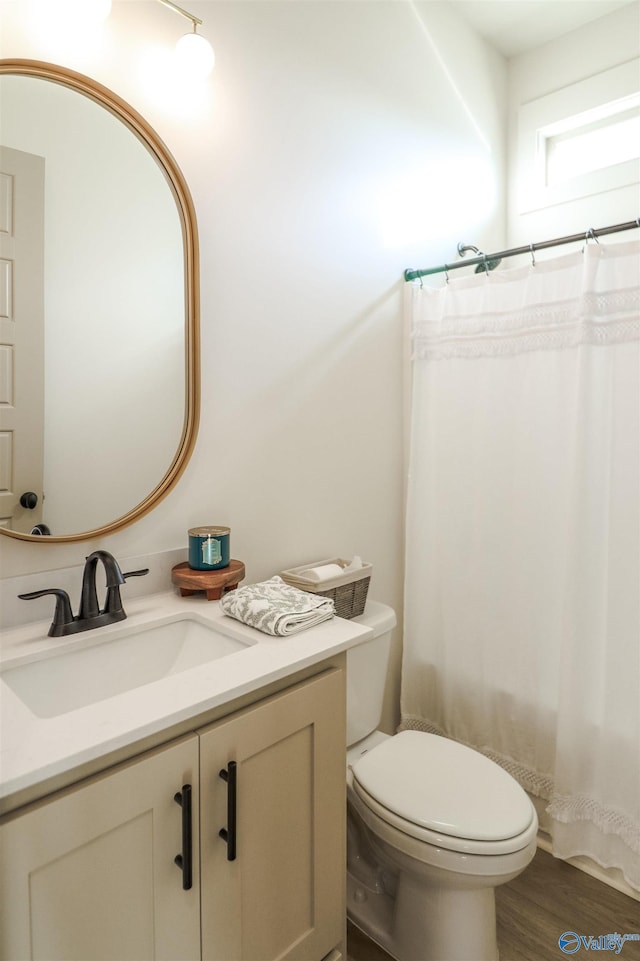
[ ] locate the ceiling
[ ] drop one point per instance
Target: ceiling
(514, 26)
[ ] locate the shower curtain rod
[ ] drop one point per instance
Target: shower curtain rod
(485, 259)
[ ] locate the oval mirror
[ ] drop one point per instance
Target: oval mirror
(99, 353)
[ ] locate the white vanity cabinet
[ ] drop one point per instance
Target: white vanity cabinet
(283, 895)
(90, 874)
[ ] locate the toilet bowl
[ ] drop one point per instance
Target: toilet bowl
(433, 828)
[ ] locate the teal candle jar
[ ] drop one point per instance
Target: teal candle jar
(209, 548)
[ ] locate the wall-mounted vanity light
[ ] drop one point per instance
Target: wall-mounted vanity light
(195, 53)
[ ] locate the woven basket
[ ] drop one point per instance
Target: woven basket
(349, 599)
(348, 591)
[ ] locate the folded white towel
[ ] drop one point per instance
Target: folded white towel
(276, 608)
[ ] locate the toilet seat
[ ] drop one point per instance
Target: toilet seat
(443, 793)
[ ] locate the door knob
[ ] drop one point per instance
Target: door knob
(29, 500)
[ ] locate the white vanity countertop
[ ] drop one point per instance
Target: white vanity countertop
(33, 749)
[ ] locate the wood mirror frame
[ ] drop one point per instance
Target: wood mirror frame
(186, 212)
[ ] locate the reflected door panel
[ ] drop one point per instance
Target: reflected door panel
(21, 336)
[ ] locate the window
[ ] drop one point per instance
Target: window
(567, 151)
(591, 141)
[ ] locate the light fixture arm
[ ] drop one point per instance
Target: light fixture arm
(183, 13)
(194, 51)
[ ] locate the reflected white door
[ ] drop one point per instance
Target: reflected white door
(21, 336)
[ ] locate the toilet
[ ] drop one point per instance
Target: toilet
(433, 826)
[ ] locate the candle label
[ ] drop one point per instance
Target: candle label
(211, 551)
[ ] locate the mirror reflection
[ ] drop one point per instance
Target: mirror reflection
(93, 312)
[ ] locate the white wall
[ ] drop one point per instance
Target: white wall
(587, 52)
(336, 144)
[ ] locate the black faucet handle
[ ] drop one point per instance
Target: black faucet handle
(62, 615)
(113, 603)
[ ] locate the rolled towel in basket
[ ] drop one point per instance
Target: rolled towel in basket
(323, 573)
(276, 608)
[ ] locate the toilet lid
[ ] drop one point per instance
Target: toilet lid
(444, 786)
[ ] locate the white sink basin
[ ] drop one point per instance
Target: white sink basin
(126, 659)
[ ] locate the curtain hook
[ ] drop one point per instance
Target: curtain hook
(589, 234)
(446, 273)
(533, 256)
(486, 264)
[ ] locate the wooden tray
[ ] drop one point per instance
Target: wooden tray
(213, 583)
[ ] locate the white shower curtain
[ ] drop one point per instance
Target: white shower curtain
(522, 602)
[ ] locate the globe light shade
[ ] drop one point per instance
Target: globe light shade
(195, 55)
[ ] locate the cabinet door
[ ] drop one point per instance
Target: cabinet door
(90, 874)
(283, 895)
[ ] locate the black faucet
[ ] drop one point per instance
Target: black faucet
(89, 614)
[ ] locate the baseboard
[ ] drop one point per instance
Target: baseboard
(610, 876)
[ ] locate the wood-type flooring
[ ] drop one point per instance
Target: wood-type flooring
(550, 898)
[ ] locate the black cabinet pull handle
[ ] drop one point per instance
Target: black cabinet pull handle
(228, 834)
(184, 860)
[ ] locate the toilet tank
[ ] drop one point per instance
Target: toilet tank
(367, 672)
